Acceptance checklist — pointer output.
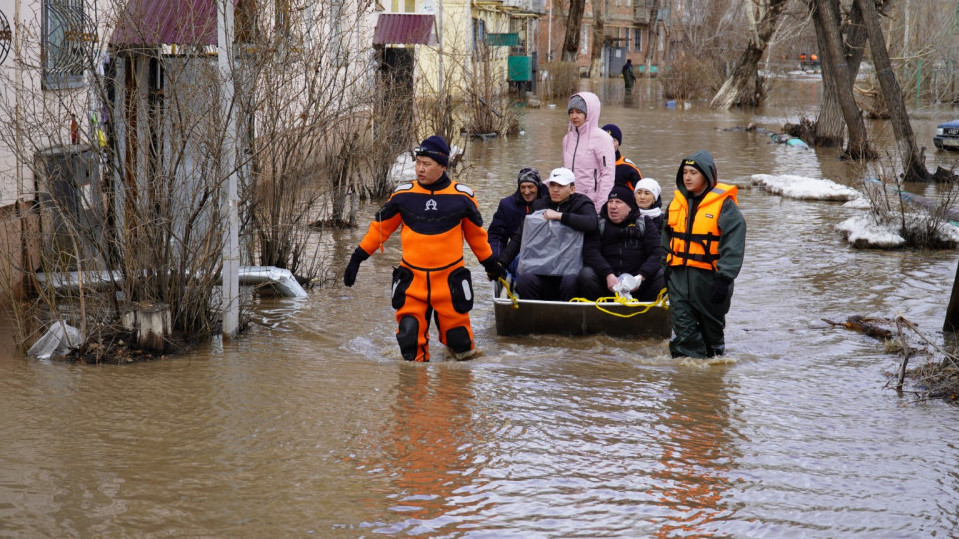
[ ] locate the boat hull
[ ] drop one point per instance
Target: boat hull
(574, 318)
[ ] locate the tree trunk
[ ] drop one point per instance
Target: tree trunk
(745, 87)
(951, 322)
(830, 127)
(913, 162)
(599, 36)
(573, 22)
(835, 66)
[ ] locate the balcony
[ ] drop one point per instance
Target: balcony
(533, 6)
(641, 14)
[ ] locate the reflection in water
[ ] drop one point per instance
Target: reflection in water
(696, 458)
(429, 449)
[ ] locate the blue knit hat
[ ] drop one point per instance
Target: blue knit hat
(436, 149)
(614, 131)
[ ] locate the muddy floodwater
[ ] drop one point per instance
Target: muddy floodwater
(311, 425)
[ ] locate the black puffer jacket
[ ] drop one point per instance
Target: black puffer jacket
(632, 246)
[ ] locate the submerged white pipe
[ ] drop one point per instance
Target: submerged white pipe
(281, 280)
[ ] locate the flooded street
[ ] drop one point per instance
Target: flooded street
(311, 424)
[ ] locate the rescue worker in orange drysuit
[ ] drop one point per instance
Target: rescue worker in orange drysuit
(437, 214)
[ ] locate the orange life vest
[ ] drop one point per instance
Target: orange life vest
(623, 161)
(698, 248)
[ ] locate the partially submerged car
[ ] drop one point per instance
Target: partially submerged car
(947, 136)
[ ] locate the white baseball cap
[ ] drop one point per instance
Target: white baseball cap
(562, 176)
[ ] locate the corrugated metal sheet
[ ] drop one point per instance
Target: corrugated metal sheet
(154, 22)
(403, 29)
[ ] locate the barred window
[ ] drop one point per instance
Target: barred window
(69, 38)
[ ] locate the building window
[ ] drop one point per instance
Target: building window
(638, 40)
(69, 38)
(584, 40)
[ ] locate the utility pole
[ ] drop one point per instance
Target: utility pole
(228, 192)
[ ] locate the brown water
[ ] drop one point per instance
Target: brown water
(312, 425)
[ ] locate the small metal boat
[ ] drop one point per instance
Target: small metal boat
(631, 320)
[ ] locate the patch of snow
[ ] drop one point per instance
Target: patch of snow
(804, 188)
(862, 231)
(403, 169)
(861, 203)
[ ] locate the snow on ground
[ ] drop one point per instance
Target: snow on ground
(804, 188)
(862, 231)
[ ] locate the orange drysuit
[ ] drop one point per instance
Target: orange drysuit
(431, 279)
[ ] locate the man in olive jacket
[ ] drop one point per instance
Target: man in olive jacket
(704, 239)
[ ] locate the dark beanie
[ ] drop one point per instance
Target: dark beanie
(623, 193)
(530, 175)
(614, 132)
(436, 149)
(578, 103)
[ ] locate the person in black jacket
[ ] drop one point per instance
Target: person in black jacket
(570, 208)
(627, 173)
(511, 211)
(628, 244)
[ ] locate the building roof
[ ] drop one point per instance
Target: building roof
(154, 22)
(403, 29)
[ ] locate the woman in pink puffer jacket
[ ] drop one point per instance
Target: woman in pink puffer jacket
(588, 150)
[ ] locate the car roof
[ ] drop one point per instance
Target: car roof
(954, 123)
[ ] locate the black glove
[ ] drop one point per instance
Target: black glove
(720, 289)
(494, 268)
(349, 276)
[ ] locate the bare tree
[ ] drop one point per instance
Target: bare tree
(744, 87)
(573, 22)
(913, 162)
(834, 66)
(830, 127)
(599, 38)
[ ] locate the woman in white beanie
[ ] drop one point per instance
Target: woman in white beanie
(650, 200)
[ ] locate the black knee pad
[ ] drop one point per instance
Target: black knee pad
(407, 336)
(458, 339)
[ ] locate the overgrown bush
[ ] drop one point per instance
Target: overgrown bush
(924, 223)
(562, 80)
(691, 78)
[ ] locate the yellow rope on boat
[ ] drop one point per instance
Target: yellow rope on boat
(659, 302)
(509, 292)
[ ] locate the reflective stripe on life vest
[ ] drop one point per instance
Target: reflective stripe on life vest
(623, 161)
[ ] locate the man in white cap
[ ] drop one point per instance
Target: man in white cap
(569, 208)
